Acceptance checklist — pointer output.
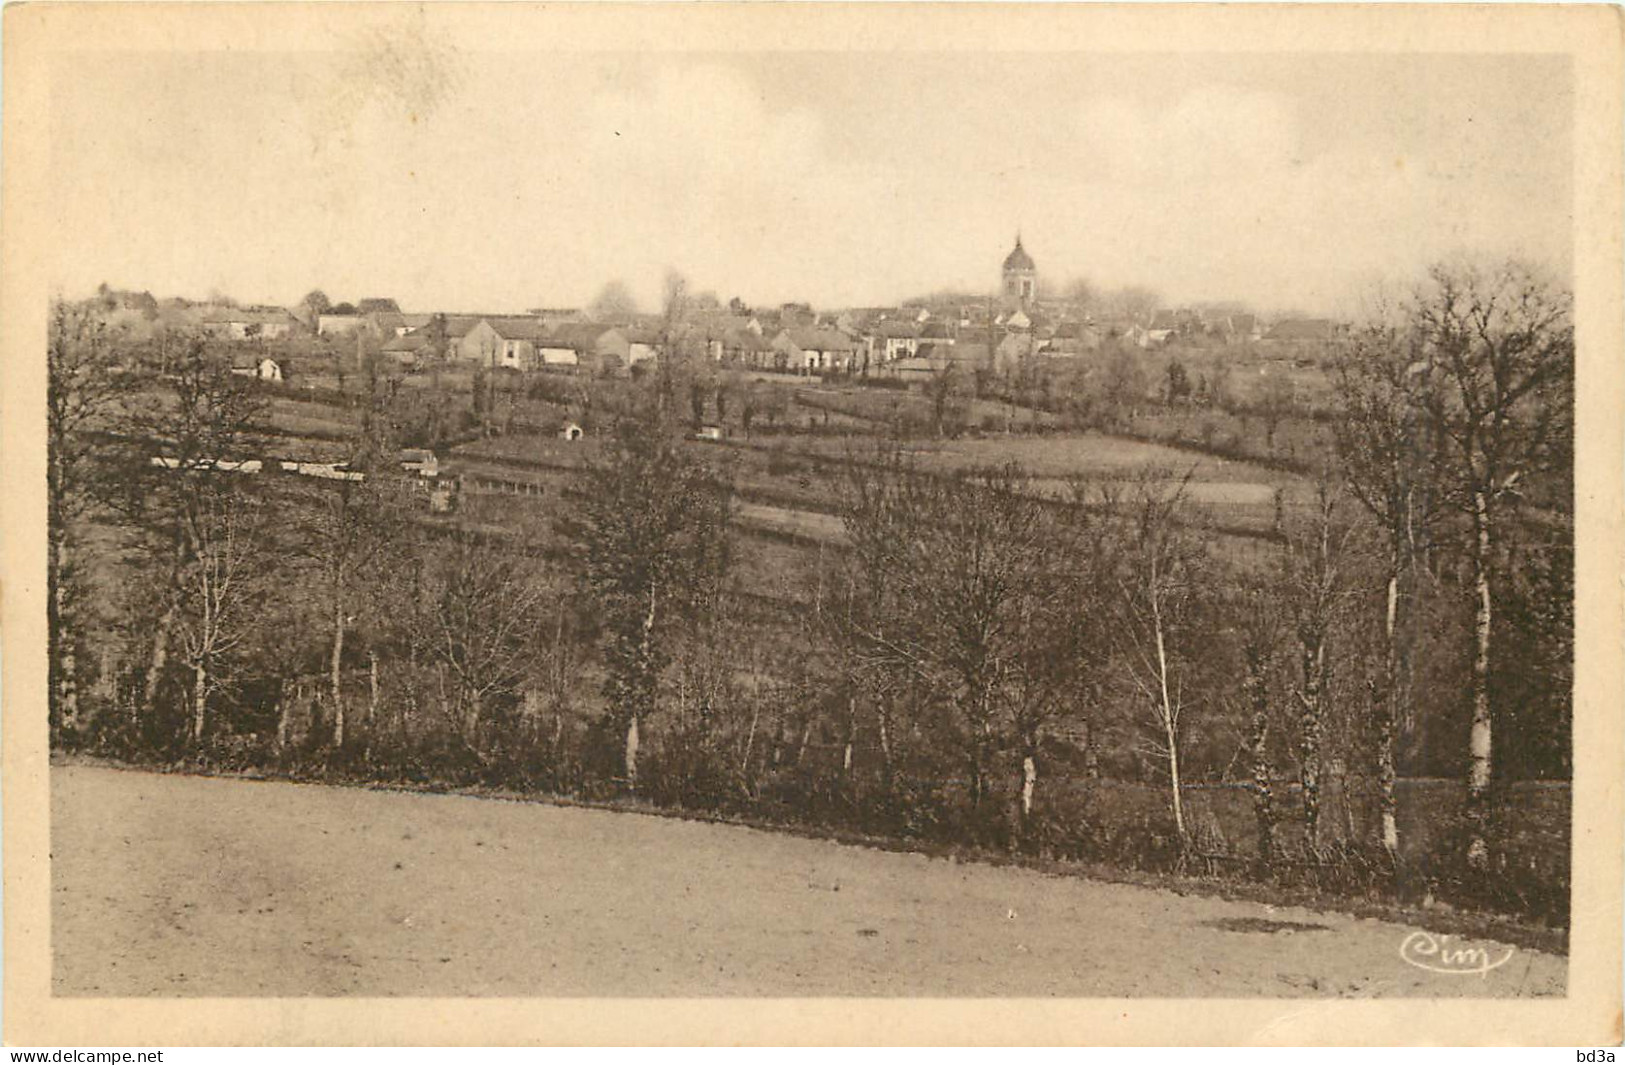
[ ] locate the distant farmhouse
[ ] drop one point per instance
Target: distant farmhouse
(508, 342)
(597, 348)
(816, 349)
(249, 323)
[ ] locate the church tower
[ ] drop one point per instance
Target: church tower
(1020, 276)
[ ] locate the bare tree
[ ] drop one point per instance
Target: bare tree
(1081, 294)
(203, 422)
(349, 524)
(1125, 383)
(865, 620)
(1160, 588)
(653, 527)
(226, 575)
(1136, 302)
(709, 721)
(1260, 646)
(974, 576)
(1091, 617)
(1316, 593)
(1275, 403)
(554, 672)
(481, 612)
(85, 391)
(1384, 447)
(1497, 347)
(315, 305)
(942, 388)
(614, 303)
(962, 590)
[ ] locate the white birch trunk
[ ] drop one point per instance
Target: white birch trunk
(851, 725)
(632, 752)
(284, 719)
(1479, 739)
(1478, 780)
(1385, 742)
(200, 701)
(750, 738)
(1166, 712)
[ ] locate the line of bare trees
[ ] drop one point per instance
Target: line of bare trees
(985, 659)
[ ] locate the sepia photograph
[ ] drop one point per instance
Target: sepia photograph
(614, 503)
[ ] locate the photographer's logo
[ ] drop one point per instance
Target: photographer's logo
(1437, 954)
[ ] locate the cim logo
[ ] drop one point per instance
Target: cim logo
(1436, 954)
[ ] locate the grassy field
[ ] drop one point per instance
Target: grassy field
(1048, 455)
(883, 406)
(791, 481)
(1233, 496)
(1095, 455)
(806, 524)
(532, 449)
(314, 419)
(184, 886)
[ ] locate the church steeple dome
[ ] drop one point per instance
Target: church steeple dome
(1020, 275)
(1018, 259)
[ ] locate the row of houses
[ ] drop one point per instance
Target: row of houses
(522, 342)
(529, 342)
(1229, 327)
(792, 338)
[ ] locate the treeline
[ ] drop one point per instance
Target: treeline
(1087, 674)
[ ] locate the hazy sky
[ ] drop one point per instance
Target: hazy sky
(501, 181)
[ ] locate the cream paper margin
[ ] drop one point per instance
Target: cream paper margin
(37, 36)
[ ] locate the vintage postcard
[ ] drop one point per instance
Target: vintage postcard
(805, 523)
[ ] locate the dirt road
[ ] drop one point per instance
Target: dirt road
(167, 885)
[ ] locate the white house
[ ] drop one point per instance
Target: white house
(263, 369)
(816, 349)
(897, 338)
